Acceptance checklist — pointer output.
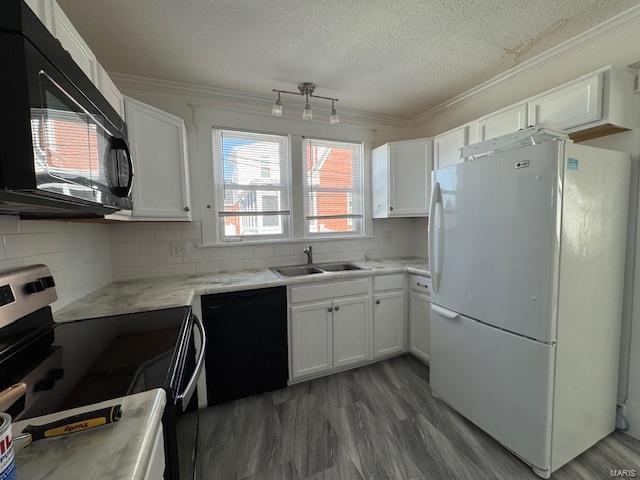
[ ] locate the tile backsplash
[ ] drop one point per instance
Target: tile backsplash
(78, 254)
(158, 249)
(86, 256)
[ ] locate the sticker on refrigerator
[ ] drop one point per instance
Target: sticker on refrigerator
(522, 164)
(572, 163)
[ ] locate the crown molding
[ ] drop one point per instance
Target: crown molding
(603, 30)
(236, 100)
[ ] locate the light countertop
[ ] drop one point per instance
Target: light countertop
(119, 451)
(175, 291)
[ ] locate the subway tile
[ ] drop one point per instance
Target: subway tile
(166, 235)
(19, 245)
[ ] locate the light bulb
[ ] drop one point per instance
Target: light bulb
(307, 114)
(276, 110)
(334, 118)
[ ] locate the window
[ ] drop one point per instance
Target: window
(333, 187)
(253, 184)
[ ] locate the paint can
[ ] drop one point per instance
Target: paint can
(7, 460)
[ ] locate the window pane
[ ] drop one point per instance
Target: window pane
(334, 225)
(247, 225)
(253, 169)
(333, 185)
(252, 201)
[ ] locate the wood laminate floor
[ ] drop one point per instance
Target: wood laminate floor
(376, 422)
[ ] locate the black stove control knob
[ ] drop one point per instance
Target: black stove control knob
(40, 284)
(44, 384)
(34, 287)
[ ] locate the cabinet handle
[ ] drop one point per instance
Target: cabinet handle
(330, 309)
(187, 209)
(390, 208)
(422, 285)
(377, 302)
(337, 308)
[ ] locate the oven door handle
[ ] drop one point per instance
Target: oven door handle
(186, 394)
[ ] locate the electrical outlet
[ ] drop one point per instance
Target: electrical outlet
(177, 249)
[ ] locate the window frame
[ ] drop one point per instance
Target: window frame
(285, 190)
(357, 220)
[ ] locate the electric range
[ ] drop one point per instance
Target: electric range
(78, 363)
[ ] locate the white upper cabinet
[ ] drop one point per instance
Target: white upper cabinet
(73, 43)
(447, 146)
(158, 142)
(576, 103)
(401, 179)
(505, 121)
(110, 91)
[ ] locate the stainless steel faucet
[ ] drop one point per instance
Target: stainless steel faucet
(309, 253)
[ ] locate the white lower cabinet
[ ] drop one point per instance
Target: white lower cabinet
(388, 323)
(419, 324)
(350, 317)
(311, 335)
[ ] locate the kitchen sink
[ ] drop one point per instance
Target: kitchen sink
(296, 270)
(338, 267)
(301, 270)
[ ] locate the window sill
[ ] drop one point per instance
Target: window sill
(285, 240)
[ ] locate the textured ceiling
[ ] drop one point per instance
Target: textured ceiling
(393, 57)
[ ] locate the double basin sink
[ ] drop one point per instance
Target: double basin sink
(301, 270)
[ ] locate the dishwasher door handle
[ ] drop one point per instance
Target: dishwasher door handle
(185, 397)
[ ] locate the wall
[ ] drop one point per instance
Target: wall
(146, 246)
(78, 254)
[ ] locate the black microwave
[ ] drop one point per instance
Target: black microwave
(63, 148)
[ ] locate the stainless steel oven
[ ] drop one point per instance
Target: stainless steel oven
(63, 148)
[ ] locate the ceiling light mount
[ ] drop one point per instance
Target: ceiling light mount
(306, 90)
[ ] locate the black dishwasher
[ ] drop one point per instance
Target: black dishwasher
(247, 351)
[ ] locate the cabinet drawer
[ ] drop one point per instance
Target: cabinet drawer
(322, 291)
(421, 284)
(388, 282)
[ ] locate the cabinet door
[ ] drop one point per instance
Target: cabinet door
(419, 324)
(311, 334)
(571, 105)
(158, 143)
(350, 319)
(503, 122)
(73, 43)
(388, 323)
(409, 179)
(110, 91)
(380, 181)
(446, 147)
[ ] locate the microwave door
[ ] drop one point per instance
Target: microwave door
(64, 142)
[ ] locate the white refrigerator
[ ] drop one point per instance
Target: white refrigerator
(527, 252)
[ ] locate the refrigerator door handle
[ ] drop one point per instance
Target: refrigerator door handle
(445, 312)
(436, 198)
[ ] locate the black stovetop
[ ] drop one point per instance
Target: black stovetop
(88, 361)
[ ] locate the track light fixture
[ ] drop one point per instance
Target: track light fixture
(306, 89)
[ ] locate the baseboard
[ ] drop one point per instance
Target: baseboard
(632, 414)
